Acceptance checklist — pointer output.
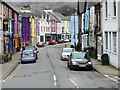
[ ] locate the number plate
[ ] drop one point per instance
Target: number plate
(82, 65)
(27, 56)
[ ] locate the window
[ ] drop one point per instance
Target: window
(110, 40)
(0, 24)
(106, 10)
(114, 4)
(54, 29)
(41, 28)
(44, 28)
(0, 8)
(9, 26)
(106, 40)
(114, 41)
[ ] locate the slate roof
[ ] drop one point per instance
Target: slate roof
(90, 4)
(53, 17)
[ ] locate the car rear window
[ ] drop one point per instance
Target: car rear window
(29, 48)
(27, 52)
(67, 50)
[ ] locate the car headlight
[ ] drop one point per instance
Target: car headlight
(89, 62)
(74, 63)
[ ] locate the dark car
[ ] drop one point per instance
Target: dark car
(80, 60)
(27, 56)
(34, 48)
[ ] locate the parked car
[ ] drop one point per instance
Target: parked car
(40, 44)
(60, 41)
(66, 52)
(66, 40)
(80, 60)
(52, 42)
(34, 48)
(28, 55)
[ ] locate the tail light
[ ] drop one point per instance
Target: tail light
(33, 55)
(21, 56)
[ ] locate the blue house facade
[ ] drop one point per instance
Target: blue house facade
(74, 30)
(86, 23)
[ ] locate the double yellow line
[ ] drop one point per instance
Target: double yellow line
(11, 76)
(108, 75)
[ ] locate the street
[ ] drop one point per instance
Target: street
(50, 72)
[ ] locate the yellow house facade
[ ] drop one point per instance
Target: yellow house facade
(33, 30)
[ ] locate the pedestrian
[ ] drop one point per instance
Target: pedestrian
(65, 45)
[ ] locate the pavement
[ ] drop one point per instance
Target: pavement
(8, 67)
(105, 69)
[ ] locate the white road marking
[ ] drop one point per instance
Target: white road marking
(55, 83)
(3, 80)
(74, 83)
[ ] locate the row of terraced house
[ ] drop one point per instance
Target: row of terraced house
(26, 26)
(99, 29)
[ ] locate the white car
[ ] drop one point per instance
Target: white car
(66, 52)
(66, 40)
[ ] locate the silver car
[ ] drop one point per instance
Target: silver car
(80, 60)
(66, 52)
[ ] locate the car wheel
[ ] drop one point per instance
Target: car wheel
(34, 61)
(22, 62)
(70, 67)
(90, 69)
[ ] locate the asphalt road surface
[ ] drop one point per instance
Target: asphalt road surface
(50, 72)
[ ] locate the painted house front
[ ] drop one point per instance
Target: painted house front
(25, 31)
(10, 28)
(33, 30)
(1, 29)
(74, 30)
(37, 31)
(53, 30)
(111, 31)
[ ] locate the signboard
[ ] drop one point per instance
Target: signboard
(5, 25)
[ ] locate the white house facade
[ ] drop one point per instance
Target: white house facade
(111, 31)
(43, 28)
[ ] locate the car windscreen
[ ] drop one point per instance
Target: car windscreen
(27, 52)
(78, 55)
(40, 42)
(67, 50)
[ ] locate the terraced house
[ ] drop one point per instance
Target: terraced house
(111, 31)
(10, 28)
(1, 30)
